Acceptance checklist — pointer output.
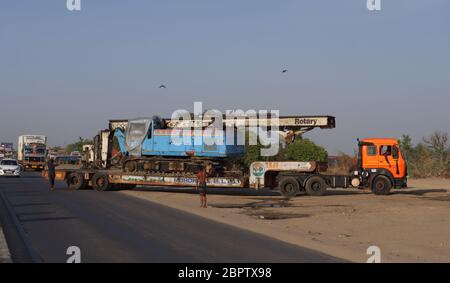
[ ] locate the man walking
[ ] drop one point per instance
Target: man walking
(201, 185)
(51, 174)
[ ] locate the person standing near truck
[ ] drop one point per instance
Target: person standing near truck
(51, 174)
(201, 185)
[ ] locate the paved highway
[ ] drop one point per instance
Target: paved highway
(109, 227)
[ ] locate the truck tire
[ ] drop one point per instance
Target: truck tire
(381, 185)
(75, 181)
(100, 182)
(315, 186)
(289, 187)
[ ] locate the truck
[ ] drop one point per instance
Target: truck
(380, 167)
(32, 151)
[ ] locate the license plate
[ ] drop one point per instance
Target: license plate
(8, 172)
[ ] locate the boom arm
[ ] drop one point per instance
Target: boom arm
(294, 123)
(289, 126)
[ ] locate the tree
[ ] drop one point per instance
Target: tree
(438, 144)
(78, 145)
(253, 152)
(299, 150)
(428, 158)
(405, 143)
(303, 150)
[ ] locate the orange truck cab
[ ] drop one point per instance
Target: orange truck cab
(381, 165)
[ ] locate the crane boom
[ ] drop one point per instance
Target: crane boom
(285, 123)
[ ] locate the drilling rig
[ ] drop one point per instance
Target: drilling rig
(146, 145)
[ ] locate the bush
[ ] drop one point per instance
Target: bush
(78, 145)
(253, 153)
(303, 150)
(429, 158)
(299, 150)
(342, 164)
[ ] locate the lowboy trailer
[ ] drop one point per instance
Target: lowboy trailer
(381, 166)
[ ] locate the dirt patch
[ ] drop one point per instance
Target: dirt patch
(440, 198)
(276, 203)
(261, 214)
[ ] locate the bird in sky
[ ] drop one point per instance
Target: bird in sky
(162, 86)
(284, 71)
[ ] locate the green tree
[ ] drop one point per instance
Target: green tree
(303, 150)
(299, 150)
(405, 143)
(78, 145)
(253, 152)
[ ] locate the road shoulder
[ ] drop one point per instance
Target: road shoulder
(5, 255)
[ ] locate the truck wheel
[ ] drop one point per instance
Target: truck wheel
(316, 186)
(100, 182)
(381, 185)
(289, 187)
(75, 181)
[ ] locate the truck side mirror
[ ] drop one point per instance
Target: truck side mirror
(395, 153)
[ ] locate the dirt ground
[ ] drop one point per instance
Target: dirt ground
(410, 225)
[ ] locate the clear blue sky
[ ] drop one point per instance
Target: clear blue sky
(64, 74)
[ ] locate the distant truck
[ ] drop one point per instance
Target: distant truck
(32, 151)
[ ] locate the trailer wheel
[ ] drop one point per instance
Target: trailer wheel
(316, 186)
(75, 181)
(100, 182)
(289, 187)
(381, 185)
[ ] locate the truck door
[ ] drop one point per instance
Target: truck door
(386, 159)
(370, 156)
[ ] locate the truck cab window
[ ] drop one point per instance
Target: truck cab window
(371, 150)
(386, 150)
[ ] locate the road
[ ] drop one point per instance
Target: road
(109, 227)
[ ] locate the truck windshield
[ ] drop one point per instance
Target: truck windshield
(28, 149)
(40, 150)
(35, 149)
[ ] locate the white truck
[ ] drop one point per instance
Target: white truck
(32, 151)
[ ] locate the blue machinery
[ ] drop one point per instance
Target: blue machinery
(147, 145)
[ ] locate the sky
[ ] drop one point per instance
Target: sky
(383, 73)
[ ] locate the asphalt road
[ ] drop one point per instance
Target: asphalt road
(40, 225)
